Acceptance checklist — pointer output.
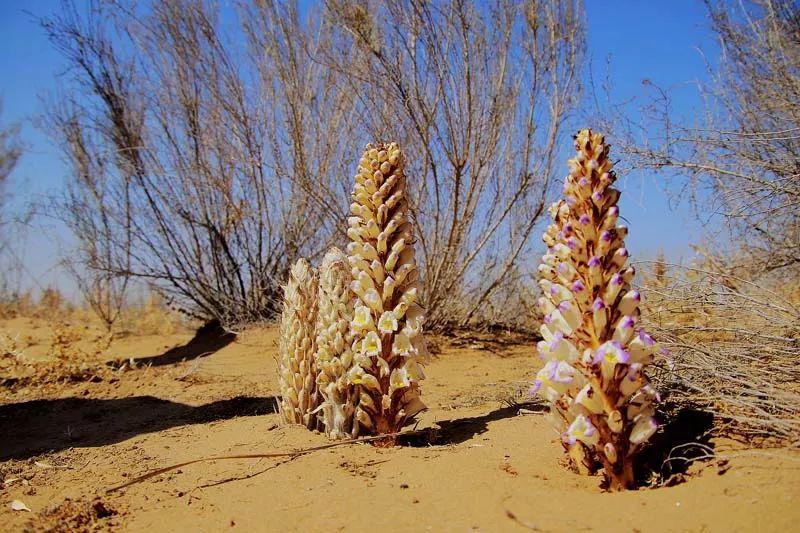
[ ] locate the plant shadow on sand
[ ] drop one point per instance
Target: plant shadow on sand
(460, 430)
(207, 340)
(665, 462)
(686, 438)
(33, 427)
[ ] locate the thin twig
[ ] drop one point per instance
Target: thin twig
(292, 454)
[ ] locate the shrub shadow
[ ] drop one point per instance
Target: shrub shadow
(33, 427)
(207, 340)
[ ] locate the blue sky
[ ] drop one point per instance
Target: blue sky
(629, 40)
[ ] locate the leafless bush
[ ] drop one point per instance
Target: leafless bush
(478, 94)
(740, 161)
(734, 347)
(732, 320)
(177, 172)
(206, 161)
(10, 152)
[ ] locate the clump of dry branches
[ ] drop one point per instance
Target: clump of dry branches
(734, 347)
(206, 161)
(732, 320)
(737, 162)
(478, 94)
(71, 357)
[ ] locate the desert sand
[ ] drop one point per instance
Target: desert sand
(494, 464)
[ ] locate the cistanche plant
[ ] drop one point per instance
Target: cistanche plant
(388, 343)
(334, 343)
(595, 354)
(297, 372)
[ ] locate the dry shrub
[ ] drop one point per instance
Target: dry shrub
(151, 316)
(214, 196)
(73, 356)
(50, 304)
(734, 344)
(16, 304)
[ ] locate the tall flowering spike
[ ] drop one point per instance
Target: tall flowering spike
(388, 344)
(297, 372)
(334, 356)
(595, 353)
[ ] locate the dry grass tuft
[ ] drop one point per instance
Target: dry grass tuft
(734, 349)
(78, 342)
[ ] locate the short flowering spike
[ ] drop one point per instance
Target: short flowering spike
(594, 350)
(388, 345)
(334, 355)
(297, 369)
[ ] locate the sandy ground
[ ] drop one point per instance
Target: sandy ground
(491, 467)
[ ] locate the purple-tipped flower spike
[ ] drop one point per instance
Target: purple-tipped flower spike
(596, 357)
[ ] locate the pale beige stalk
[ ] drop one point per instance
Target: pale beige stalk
(334, 355)
(388, 344)
(296, 367)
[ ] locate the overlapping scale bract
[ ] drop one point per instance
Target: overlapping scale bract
(338, 398)
(296, 366)
(388, 343)
(594, 350)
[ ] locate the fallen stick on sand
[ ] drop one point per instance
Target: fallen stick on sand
(295, 453)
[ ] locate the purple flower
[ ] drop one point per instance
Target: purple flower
(612, 353)
(646, 339)
(578, 286)
(556, 340)
(598, 304)
(594, 261)
(584, 220)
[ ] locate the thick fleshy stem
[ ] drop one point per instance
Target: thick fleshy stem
(334, 354)
(297, 372)
(595, 354)
(388, 344)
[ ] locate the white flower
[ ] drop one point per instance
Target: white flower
(402, 344)
(611, 452)
(582, 430)
(643, 429)
(554, 376)
(558, 348)
(357, 376)
(642, 348)
(387, 323)
(589, 399)
(362, 320)
(373, 300)
(371, 345)
(608, 356)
